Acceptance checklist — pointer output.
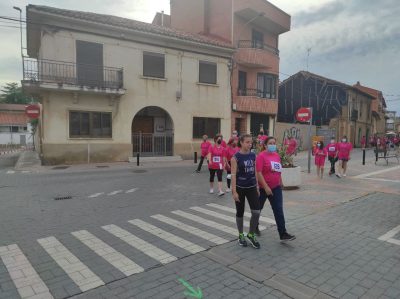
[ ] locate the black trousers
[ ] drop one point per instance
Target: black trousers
(333, 161)
(200, 163)
(252, 197)
(212, 175)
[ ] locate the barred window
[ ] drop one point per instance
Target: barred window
(206, 125)
(153, 65)
(207, 72)
(83, 124)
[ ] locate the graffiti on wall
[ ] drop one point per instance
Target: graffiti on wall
(296, 134)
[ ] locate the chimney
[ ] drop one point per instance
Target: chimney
(358, 83)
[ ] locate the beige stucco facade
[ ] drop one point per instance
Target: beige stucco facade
(179, 94)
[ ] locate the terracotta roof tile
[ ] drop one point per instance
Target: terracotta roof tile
(13, 118)
(132, 24)
(12, 107)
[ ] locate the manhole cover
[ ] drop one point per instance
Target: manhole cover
(139, 171)
(62, 197)
(102, 166)
(60, 167)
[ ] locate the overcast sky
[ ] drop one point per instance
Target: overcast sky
(350, 40)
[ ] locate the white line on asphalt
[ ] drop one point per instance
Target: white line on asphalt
(115, 192)
(118, 260)
(364, 175)
(10, 172)
(206, 222)
(96, 195)
(26, 280)
(76, 270)
(222, 216)
(141, 245)
(393, 241)
(131, 190)
(171, 238)
(382, 180)
(247, 214)
(390, 234)
(191, 229)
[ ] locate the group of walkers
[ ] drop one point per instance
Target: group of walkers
(335, 151)
(249, 176)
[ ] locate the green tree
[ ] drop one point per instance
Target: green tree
(12, 93)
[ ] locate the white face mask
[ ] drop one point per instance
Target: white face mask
(344, 140)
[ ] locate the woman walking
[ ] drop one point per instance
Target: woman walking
(216, 163)
(244, 185)
(269, 171)
(332, 154)
(320, 156)
(205, 145)
(344, 149)
(230, 150)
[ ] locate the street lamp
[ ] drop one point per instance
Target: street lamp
(20, 29)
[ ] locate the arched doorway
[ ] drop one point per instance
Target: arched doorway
(152, 132)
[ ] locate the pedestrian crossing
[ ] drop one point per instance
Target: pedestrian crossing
(212, 225)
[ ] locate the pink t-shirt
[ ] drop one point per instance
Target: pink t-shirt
(223, 143)
(205, 145)
(217, 157)
(332, 149)
(344, 149)
(265, 163)
(320, 156)
(229, 152)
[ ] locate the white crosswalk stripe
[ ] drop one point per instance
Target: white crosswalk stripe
(171, 238)
(76, 270)
(191, 229)
(115, 192)
(96, 195)
(206, 222)
(141, 245)
(131, 190)
(222, 216)
(26, 280)
(247, 214)
(118, 260)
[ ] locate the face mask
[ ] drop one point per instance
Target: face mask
(219, 141)
(344, 140)
(332, 141)
(271, 148)
(318, 144)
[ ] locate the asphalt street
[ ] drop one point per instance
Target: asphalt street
(127, 231)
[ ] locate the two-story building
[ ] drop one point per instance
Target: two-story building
(253, 28)
(342, 108)
(378, 108)
(14, 125)
(112, 87)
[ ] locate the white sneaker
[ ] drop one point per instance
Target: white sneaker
(338, 175)
(220, 193)
(228, 190)
(211, 191)
(344, 174)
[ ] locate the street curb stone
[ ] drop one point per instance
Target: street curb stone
(222, 257)
(253, 272)
(291, 287)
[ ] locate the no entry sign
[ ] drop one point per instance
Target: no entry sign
(32, 111)
(303, 115)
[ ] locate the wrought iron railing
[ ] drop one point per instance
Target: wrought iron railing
(248, 92)
(149, 144)
(254, 44)
(49, 71)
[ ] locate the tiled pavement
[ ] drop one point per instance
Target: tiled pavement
(337, 252)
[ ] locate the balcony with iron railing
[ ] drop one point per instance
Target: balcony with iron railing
(69, 76)
(255, 100)
(253, 53)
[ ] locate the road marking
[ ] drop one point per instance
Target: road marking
(247, 214)
(388, 237)
(191, 229)
(25, 171)
(96, 195)
(360, 176)
(25, 278)
(393, 241)
(76, 270)
(206, 222)
(221, 216)
(171, 238)
(141, 245)
(10, 171)
(131, 190)
(382, 180)
(118, 260)
(115, 192)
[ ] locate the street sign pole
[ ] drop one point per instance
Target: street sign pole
(310, 143)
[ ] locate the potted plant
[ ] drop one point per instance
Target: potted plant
(291, 174)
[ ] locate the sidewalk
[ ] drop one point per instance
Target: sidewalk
(28, 160)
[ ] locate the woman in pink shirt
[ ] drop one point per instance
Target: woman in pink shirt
(230, 150)
(205, 145)
(269, 169)
(363, 142)
(216, 163)
(320, 154)
(332, 154)
(344, 149)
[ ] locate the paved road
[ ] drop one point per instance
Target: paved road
(131, 232)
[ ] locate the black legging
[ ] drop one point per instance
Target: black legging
(252, 198)
(333, 161)
(212, 175)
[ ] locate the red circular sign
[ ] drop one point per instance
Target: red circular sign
(303, 115)
(32, 111)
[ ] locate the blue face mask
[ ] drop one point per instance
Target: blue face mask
(271, 148)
